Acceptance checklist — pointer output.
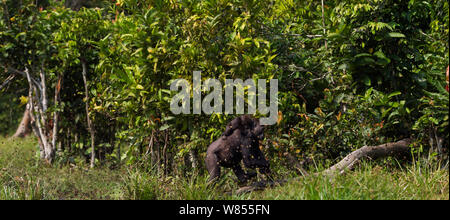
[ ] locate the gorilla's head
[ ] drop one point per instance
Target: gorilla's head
(258, 130)
(248, 126)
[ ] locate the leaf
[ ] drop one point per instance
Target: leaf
(334, 35)
(20, 34)
(23, 100)
(363, 55)
(280, 117)
(256, 43)
(242, 26)
(396, 35)
(139, 86)
(168, 118)
(394, 94)
(164, 127)
(343, 66)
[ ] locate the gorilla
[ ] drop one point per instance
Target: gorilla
(239, 141)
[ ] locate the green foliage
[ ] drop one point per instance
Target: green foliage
(434, 108)
(343, 122)
(10, 113)
(371, 72)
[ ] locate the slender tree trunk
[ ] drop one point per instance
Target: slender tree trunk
(56, 113)
(24, 128)
(194, 160)
(447, 78)
(165, 157)
(76, 139)
(154, 151)
(323, 24)
(158, 157)
(119, 156)
(149, 150)
(89, 123)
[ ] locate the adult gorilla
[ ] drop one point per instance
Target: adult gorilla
(240, 141)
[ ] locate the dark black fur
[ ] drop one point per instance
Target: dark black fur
(240, 141)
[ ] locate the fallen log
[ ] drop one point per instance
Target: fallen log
(398, 149)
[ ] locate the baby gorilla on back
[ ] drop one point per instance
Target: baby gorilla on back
(240, 141)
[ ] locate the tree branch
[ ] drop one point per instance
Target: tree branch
(22, 73)
(43, 90)
(8, 80)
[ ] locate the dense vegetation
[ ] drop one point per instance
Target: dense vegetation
(351, 73)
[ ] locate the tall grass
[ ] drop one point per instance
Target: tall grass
(24, 176)
(370, 181)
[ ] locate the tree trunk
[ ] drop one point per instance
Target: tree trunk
(43, 127)
(397, 149)
(38, 104)
(323, 24)
(193, 157)
(89, 123)
(56, 113)
(24, 128)
(165, 156)
(155, 151)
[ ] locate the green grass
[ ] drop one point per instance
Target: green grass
(366, 183)
(23, 176)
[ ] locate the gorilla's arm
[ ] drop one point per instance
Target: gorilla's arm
(254, 158)
(212, 165)
(233, 125)
(240, 174)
